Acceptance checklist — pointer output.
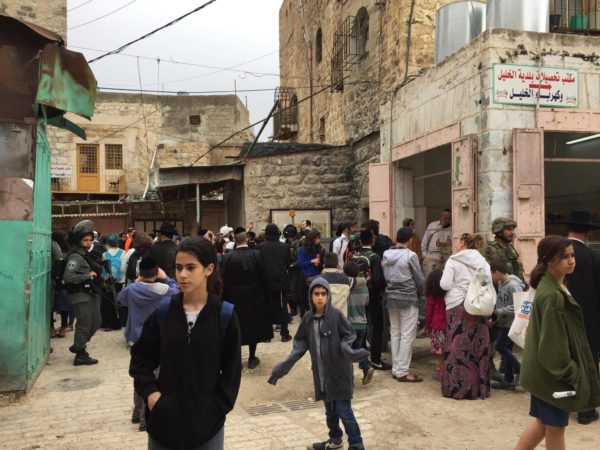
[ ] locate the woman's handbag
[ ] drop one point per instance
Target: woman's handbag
(480, 299)
(523, 307)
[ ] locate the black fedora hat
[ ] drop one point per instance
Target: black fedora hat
(167, 229)
(581, 219)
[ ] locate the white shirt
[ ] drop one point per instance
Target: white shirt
(339, 248)
(191, 318)
(434, 238)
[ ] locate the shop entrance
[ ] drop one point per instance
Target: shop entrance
(422, 186)
(571, 178)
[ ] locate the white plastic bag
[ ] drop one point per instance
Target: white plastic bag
(523, 302)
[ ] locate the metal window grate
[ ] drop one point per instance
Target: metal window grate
(345, 53)
(575, 16)
(88, 159)
(285, 119)
(114, 156)
(195, 120)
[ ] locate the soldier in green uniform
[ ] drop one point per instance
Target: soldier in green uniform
(80, 277)
(501, 247)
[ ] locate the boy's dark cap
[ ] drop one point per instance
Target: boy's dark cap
(404, 234)
(148, 263)
(239, 230)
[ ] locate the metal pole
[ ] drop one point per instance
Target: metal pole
(198, 205)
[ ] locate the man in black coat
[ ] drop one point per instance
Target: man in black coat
(276, 258)
(246, 286)
(584, 285)
(164, 250)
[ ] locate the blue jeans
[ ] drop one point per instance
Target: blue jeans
(360, 336)
(504, 347)
(342, 409)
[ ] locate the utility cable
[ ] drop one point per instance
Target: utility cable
(62, 13)
(102, 17)
(156, 30)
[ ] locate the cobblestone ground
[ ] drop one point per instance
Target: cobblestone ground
(90, 407)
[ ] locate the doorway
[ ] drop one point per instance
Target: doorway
(423, 187)
(88, 176)
(571, 181)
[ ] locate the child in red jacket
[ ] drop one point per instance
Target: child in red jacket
(435, 316)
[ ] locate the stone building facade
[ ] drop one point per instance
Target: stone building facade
(489, 151)
(343, 59)
(50, 14)
(129, 138)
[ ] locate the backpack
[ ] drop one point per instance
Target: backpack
(225, 313)
(132, 265)
(115, 264)
(480, 299)
(363, 261)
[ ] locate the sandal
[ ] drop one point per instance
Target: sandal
(414, 379)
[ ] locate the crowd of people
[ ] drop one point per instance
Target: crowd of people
(189, 303)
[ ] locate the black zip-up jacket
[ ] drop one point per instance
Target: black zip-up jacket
(199, 377)
(276, 259)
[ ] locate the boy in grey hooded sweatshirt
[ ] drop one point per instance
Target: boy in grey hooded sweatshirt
(505, 312)
(326, 333)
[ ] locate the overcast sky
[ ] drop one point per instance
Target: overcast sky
(241, 33)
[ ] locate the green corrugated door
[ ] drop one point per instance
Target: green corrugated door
(39, 289)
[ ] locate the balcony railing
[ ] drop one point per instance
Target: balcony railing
(285, 119)
(108, 184)
(575, 16)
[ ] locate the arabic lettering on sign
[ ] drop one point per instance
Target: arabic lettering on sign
(61, 171)
(530, 85)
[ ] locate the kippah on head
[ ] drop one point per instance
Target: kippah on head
(148, 263)
(239, 230)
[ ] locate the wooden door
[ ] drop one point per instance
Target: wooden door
(528, 194)
(380, 196)
(464, 204)
(88, 176)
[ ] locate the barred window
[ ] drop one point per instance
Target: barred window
(114, 156)
(88, 159)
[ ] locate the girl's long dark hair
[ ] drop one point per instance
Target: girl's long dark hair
(206, 254)
(309, 242)
(432, 285)
(549, 248)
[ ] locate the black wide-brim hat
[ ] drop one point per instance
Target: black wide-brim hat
(581, 219)
(166, 228)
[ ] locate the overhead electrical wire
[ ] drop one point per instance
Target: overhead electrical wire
(102, 17)
(156, 30)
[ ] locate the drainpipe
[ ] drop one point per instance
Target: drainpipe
(309, 63)
(405, 78)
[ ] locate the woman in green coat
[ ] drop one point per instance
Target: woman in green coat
(557, 357)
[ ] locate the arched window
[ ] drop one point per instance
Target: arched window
(361, 29)
(319, 46)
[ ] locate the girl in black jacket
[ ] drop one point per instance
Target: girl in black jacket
(198, 351)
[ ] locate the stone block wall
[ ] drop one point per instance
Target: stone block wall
(119, 119)
(50, 14)
(314, 179)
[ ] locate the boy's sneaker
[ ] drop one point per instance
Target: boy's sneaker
(367, 375)
(496, 375)
(331, 443)
(507, 385)
(380, 365)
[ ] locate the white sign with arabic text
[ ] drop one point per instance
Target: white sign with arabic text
(61, 171)
(532, 85)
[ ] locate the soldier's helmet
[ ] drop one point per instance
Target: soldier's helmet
(501, 223)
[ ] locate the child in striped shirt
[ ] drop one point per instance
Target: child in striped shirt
(357, 315)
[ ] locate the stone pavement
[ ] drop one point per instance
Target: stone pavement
(90, 407)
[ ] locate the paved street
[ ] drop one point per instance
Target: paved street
(90, 407)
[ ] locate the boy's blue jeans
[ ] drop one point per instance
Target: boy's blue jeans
(504, 347)
(342, 409)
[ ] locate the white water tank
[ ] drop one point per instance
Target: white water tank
(457, 24)
(525, 15)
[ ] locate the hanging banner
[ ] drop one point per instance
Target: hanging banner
(532, 85)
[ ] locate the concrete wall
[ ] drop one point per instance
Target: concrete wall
(459, 90)
(119, 119)
(50, 14)
(314, 179)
